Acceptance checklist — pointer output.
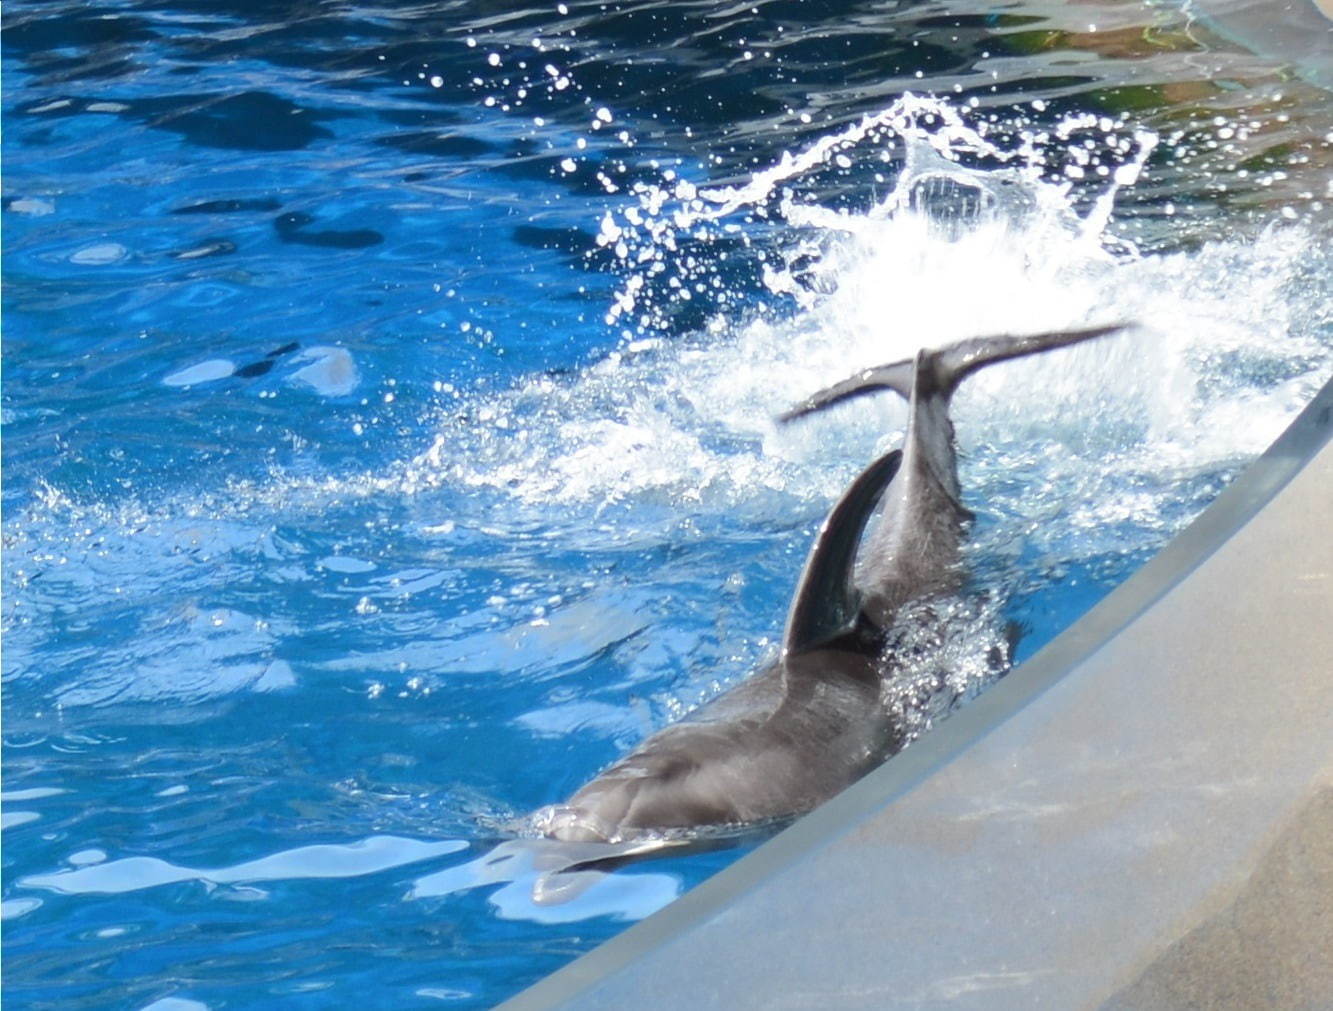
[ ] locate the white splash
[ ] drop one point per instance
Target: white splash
(1121, 441)
(330, 371)
(950, 252)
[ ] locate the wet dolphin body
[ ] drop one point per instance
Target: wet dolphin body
(812, 721)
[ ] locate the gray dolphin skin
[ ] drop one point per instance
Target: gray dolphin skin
(812, 721)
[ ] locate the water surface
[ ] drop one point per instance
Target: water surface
(387, 419)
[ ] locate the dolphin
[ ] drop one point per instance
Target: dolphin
(812, 721)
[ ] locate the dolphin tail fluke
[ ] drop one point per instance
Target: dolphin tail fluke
(948, 367)
(953, 364)
(896, 376)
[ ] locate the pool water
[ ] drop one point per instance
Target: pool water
(387, 417)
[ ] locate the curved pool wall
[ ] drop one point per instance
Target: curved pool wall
(1141, 816)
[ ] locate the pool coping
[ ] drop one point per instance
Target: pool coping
(1234, 507)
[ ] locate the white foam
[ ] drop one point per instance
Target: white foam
(34, 206)
(331, 371)
(204, 372)
(688, 421)
(175, 1004)
(341, 860)
(12, 909)
(99, 255)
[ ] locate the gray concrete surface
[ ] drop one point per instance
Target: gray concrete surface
(1139, 817)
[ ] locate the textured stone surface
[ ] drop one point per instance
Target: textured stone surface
(1272, 947)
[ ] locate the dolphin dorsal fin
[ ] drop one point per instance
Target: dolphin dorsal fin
(825, 603)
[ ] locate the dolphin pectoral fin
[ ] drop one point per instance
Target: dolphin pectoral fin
(555, 888)
(560, 882)
(826, 604)
(896, 376)
(610, 855)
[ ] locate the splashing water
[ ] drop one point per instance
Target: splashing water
(1116, 444)
(952, 251)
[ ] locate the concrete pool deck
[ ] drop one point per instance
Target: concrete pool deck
(1141, 816)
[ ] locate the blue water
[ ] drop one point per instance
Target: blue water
(386, 415)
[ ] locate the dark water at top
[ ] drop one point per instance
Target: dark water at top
(386, 415)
